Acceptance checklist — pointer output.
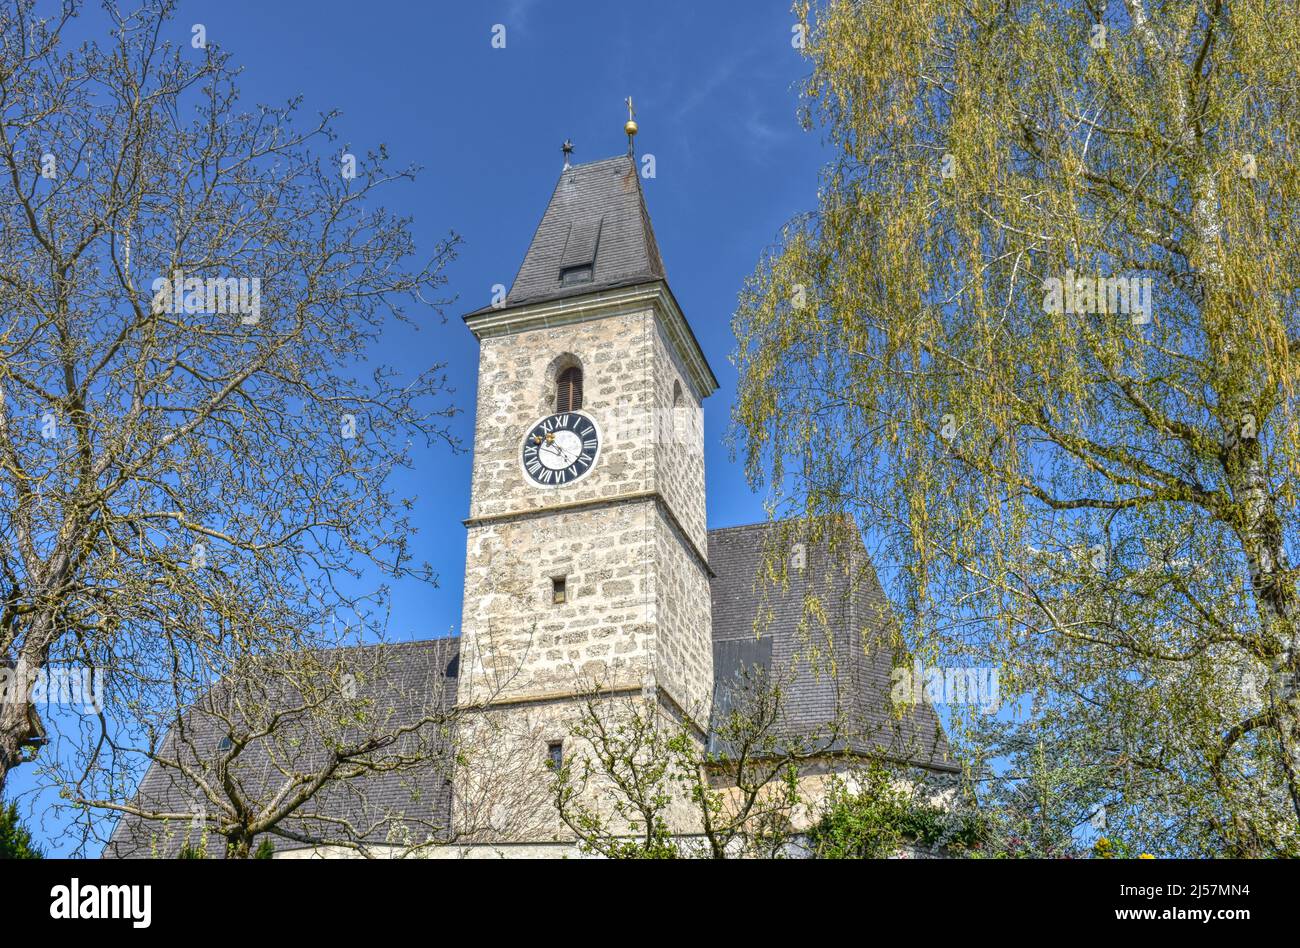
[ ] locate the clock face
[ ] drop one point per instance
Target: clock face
(560, 449)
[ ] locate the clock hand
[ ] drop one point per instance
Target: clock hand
(556, 449)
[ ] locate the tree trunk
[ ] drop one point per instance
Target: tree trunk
(1275, 602)
(18, 720)
(239, 845)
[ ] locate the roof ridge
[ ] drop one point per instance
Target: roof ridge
(756, 525)
(599, 161)
(648, 231)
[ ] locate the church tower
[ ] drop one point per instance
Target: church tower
(586, 574)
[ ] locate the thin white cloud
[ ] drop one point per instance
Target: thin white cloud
(517, 13)
(708, 87)
(761, 132)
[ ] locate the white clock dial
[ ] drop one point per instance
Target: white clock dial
(560, 449)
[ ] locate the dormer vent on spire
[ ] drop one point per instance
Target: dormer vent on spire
(578, 263)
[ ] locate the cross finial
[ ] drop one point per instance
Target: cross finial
(630, 127)
(567, 149)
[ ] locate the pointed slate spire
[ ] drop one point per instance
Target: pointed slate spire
(595, 235)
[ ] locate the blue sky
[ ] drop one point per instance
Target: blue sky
(715, 86)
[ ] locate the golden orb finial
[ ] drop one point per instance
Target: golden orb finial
(630, 126)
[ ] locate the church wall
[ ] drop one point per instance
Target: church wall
(629, 539)
(679, 440)
(637, 592)
(517, 643)
(505, 788)
(516, 388)
(683, 617)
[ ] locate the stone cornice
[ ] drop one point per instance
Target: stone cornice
(600, 693)
(597, 305)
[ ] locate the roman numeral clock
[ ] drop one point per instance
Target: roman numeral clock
(560, 449)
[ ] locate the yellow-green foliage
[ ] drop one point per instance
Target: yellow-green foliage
(1095, 498)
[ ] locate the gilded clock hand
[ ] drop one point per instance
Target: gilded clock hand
(556, 449)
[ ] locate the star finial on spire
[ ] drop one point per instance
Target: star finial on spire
(567, 148)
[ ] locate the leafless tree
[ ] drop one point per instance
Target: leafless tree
(346, 749)
(189, 461)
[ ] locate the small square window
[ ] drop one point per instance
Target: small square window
(558, 589)
(555, 755)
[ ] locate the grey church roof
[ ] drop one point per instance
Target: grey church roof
(833, 671)
(415, 681)
(754, 622)
(594, 236)
(596, 219)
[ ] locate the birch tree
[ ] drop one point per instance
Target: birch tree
(1040, 336)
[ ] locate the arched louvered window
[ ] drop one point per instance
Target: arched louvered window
(568, 390)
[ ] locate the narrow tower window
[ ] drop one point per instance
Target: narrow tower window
(555, 755)
(568, 390)
(558, 589)
(680, 417)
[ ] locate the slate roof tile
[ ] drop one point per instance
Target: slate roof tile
(836, 672)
